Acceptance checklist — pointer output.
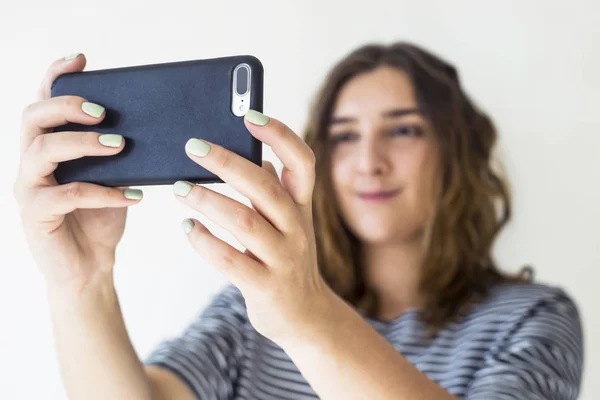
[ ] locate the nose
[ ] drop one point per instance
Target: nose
(372, 158)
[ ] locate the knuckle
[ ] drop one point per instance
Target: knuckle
(303, 244)
(245, 219)
(107, 194)
(228, 259)
(288, 262)
(39, 144)
(83, 139)
(86, 139)
(42, 93)
(27, 112)
(71, 102)
(310, 166)
(273, 190)
(73, 190)
(30, 203)
(224, 159)
(198, 197)
(311, 159)
(279, 131)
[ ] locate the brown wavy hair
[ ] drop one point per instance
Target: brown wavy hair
(473, 201)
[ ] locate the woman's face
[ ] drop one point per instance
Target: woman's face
(384, 157)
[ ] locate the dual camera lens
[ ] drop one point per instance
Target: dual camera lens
(242, 80)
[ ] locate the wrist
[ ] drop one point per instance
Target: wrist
(95, 289)
(319, 325)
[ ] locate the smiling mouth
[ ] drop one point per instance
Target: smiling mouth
(378, 195)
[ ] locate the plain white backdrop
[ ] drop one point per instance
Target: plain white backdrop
(533, 65)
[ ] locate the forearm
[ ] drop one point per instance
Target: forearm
(345, 358)
(97, 359)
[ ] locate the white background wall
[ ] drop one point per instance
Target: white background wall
(534, 65)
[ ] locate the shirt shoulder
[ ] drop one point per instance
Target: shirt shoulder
(514, 299)
(530, 312)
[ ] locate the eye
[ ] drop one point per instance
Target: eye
(407, 130)
(343, 137)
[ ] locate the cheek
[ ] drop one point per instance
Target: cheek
(423, 171)
(341, 182)
(341, 171)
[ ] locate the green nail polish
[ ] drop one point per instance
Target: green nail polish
(187, 225)
(111, 140)
(257, 118)
(182, 188)
(197, 147)
(72, 56)
(133, 194)
(92, 109)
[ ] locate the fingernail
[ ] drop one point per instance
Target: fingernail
(72, 56)
(111, 140)
(133, 194)
(197, 147)
(187, 225)
(182, 188)
(92, 109)
(257, 118)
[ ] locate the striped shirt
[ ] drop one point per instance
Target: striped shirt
(521, 342)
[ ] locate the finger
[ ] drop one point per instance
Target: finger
(57, 111)
(244, 272)
(52, 201)
(298, 176)
(270, 168)
(257, 184)
(49, 149)
(244, 223)
(75, 63)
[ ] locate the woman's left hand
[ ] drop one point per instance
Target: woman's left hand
(278, 273)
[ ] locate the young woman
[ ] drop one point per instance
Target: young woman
(368, 272)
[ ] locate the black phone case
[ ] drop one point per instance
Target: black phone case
(158, 108)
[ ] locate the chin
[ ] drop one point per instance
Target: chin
(377, 238)
(375, 231)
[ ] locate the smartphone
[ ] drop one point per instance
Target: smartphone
(157, 109)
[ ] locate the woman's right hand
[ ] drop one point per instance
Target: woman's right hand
(72, 229)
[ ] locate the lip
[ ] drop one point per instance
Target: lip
(380, 195)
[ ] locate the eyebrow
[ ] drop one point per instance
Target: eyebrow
(398, 112)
